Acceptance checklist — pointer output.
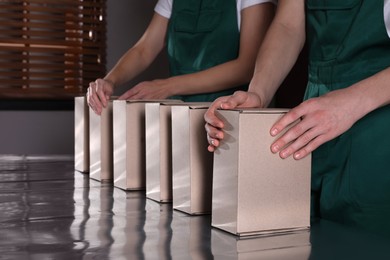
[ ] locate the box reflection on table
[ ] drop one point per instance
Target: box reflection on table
(292, 246)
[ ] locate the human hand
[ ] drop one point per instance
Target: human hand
(156, 89)
(214, 125)
(98, 94)
(322, 119)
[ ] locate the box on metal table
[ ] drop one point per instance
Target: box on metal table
(100, 144)
(81, 134)
(254, 190)
(158, 138)
(192, 164)
(129, 143)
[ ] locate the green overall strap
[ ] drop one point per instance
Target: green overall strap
(347, 38)
(201, 35)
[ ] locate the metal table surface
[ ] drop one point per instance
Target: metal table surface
(49, 211)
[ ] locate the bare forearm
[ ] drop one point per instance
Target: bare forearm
(142, 54)
(371, 93)
(254, 25)
(218, 78)
(279, 51)
(129, 66)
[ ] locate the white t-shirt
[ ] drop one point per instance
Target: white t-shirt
(386, 14)
(164, 7)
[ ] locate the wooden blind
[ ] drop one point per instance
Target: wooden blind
(50, 49)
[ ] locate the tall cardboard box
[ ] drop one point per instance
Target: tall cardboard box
(81, 134)
(255, 191)
(158, 141)
(129, 143)
(192, 164)
(101, 144)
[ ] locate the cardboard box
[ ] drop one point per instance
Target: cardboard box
(81, 134)
(192, 164)
(129, 143)
(158, 140)
(254, 190)
(101, 144)
(292, 245)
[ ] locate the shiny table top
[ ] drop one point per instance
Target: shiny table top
(49, 211)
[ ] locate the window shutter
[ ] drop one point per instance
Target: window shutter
(51, 49)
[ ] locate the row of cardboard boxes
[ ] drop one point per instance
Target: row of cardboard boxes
(161, 147)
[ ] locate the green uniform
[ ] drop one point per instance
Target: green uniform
(201, 35)
(348, 42)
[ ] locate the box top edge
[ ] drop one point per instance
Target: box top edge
(258, 110)
(161, 101)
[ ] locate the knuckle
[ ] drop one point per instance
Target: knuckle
(306, 138)
(206, 127)
(213, 133)
(239, 93)
(206, 116)
(217, 103)
(219, 99)
(298, 130)
(310, 102)
(209, 140)
(294, 113)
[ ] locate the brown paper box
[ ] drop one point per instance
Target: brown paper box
(158, 151)
(101, 144)
(129, 143)
(255, 191)
(192, 164)
(81, 134)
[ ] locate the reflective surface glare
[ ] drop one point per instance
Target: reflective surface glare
(49, 211)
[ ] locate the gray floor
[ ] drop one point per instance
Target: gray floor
(49, 211)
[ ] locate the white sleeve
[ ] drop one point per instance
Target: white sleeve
(242, 4)
(164, 8)
(386, 14)
(248, 3)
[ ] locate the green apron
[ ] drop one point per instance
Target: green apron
(351, 173)
(201, 35)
